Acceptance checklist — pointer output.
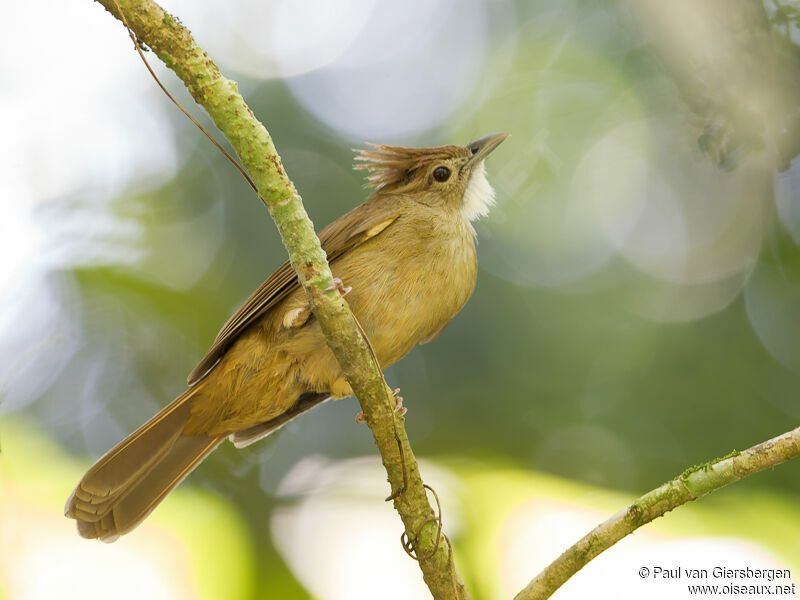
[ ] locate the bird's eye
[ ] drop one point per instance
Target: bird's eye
(441, 174)
(474, 149)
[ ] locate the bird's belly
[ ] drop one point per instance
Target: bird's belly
(398, 310)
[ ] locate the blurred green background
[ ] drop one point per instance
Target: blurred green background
(638, 303)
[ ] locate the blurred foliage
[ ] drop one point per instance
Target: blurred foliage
(557, 362)
(506, 523)
(211, 561)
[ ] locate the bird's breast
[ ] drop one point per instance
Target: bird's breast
(409, 284)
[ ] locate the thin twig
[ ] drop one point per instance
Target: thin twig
(137, 45)
(395, 493)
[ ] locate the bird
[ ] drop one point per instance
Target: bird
(406, 258)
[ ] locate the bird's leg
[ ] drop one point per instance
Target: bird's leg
(297, 317)
(398, 406)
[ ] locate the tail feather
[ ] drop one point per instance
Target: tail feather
(126, 484)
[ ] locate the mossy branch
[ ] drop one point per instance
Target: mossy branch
(689, 485)
(219, 96)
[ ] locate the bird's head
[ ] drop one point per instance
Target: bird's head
(447, 176)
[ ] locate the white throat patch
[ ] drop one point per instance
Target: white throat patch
(479, 195)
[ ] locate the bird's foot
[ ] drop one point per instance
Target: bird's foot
(338, 285)
(297, 317)
(398, 407)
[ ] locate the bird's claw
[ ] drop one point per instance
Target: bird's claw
(398, 407)
(338, 285)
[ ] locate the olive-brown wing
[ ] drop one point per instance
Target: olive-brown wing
(346, 232)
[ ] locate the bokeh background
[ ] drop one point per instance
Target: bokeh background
(637, 309)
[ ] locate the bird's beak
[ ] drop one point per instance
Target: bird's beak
(481, 147)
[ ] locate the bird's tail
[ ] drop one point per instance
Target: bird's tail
(126, 484)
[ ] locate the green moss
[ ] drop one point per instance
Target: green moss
(707, 465)
(167, 59)
(693, 469)
(171, 62)
(635, 513)
(733, 453)
(790, 451)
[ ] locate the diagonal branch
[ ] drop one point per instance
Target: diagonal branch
(690, 485)
(174, 45)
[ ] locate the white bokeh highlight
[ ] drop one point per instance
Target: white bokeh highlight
(42, 558)
(538, 531)
(341, 541)
(342, 545)
(280, 38)
(398, 78)
(79, 126)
